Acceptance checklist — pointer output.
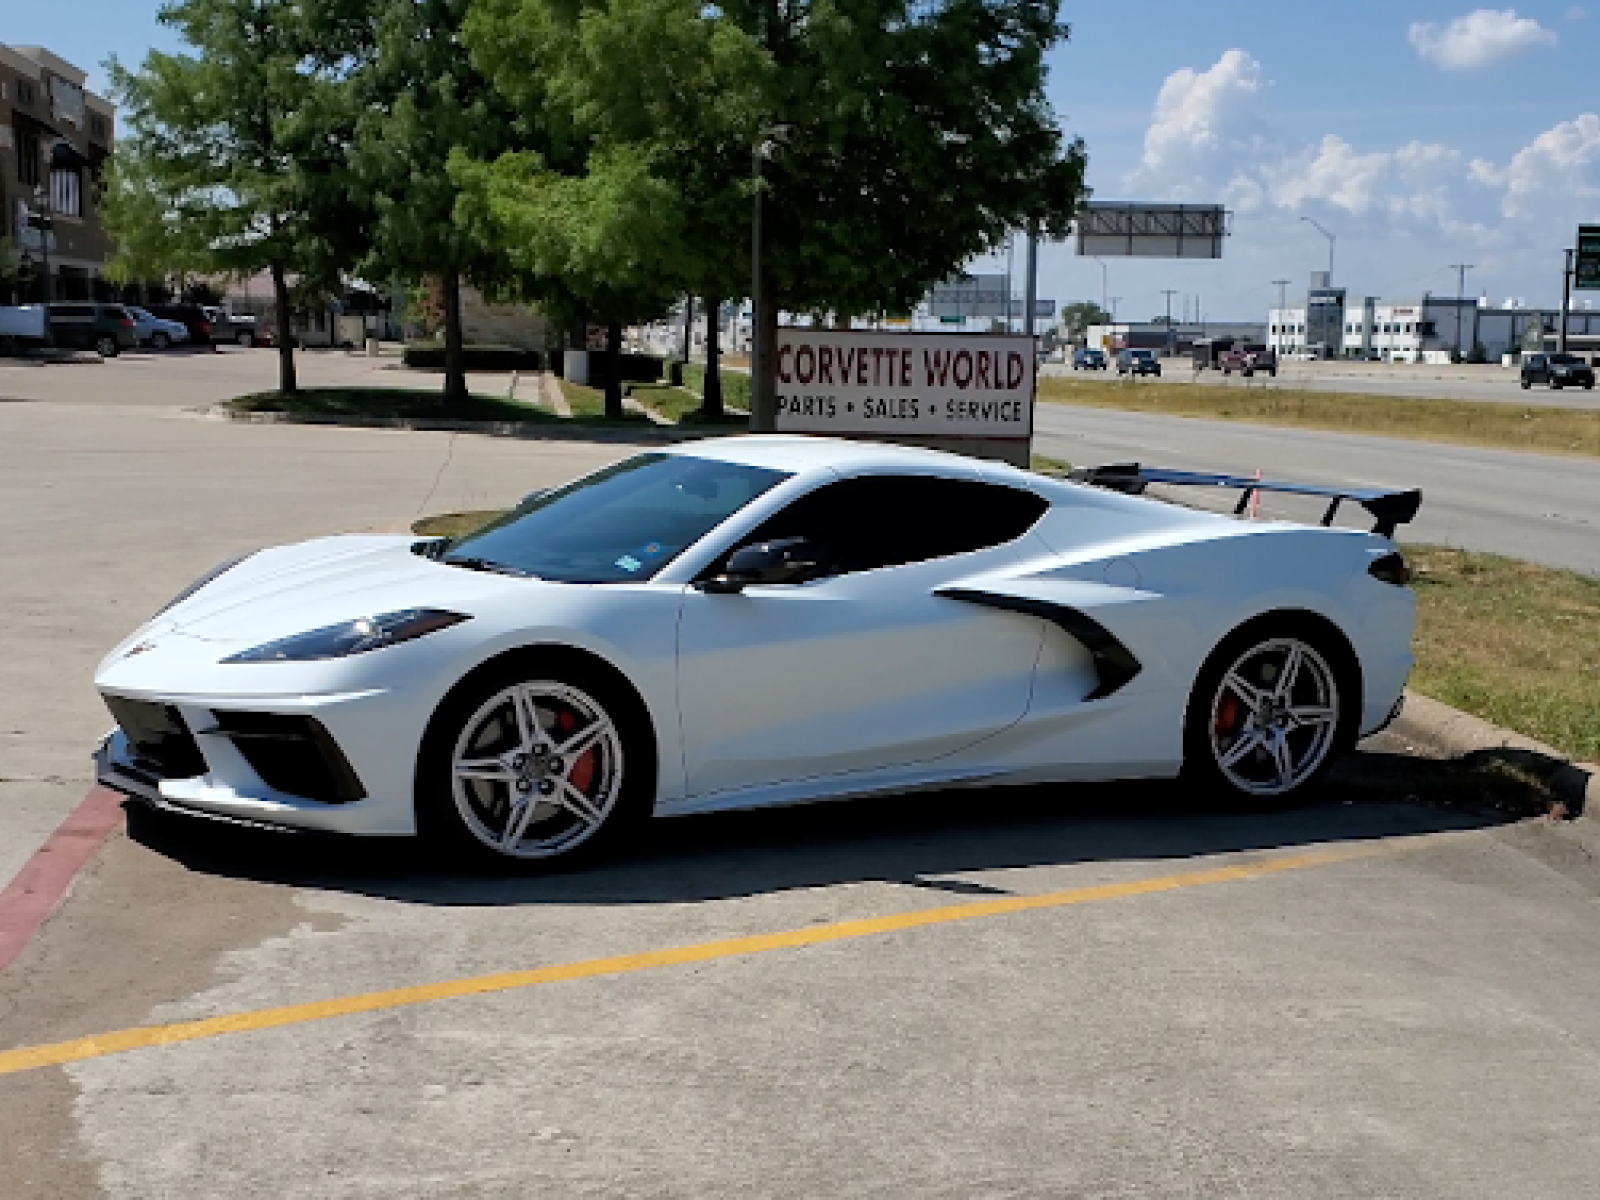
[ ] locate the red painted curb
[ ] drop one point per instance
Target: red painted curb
(45, 879)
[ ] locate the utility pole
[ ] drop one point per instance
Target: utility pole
(1114, 300)
(1283, 293)
(1461, 270)
(1105, 306)
(1566, 303)
(1032, 286)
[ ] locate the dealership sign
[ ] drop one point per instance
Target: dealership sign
(915, 385)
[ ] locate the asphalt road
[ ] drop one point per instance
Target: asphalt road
(1541, 508)
(1489, 384)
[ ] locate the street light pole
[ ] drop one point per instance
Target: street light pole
(1331, 241)
(1104, 286)
(1172, 340)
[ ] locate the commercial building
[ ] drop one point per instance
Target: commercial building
(55, 138)
(1178, 339)
(1423, 329)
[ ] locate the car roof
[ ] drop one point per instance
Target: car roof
(802, 454)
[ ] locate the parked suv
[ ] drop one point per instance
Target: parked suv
(191, 316)
(106, 328)
(1138, 362)
(1088, 360)
(1557, 370)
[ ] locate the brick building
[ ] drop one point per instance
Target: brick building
(55, 137)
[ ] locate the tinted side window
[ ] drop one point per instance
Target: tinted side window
(58, 311)
(888, 520)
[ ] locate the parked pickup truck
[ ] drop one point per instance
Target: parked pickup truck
(1247, 359)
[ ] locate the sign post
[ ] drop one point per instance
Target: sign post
(965, 393)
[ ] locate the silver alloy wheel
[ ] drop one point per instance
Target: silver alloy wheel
(537, 769)
(1274, 717)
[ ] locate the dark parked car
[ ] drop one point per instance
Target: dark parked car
(1557, 370)
(106, 328)
(1249, 357)
(191, 316)
(234, 327)
(1088, 360)
(1138, 362)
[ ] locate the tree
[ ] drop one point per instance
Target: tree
(421, 98)
(238, 154)
(896, 139)
(642, 187)
(1076, 319)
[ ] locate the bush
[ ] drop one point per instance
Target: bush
(735, 384)
(427, 356)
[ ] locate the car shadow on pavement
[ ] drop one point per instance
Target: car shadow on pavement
(913, 839)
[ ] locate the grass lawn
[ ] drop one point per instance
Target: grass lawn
(682, 406)
(388, 402)
(1544, 430)
(1513, 643)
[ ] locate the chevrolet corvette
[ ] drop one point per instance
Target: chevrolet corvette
(763, 620)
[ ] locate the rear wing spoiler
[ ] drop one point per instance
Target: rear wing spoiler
(1388, 508)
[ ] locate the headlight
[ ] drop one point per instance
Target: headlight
(219, 569)
(351, 637)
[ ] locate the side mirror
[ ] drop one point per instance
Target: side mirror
(787, 560)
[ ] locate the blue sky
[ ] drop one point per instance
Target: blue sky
(1419, 133)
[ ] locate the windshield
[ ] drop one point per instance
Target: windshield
(622, 524)
(1566, 360)
(1139, 354)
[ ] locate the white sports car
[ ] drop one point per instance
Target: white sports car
(761, 620)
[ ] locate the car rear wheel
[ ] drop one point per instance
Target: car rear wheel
(106, 346)
(1266, 715)
(160, 340)
(526, 768)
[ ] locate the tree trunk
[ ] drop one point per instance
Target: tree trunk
(711, 401)
(455, 366)
(764, 391)
(280, 303)
(688, 324)
(613, 371)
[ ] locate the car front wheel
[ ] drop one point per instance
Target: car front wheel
(528, 767)
(1266, 715)
(247, 340)
(160, 340)
(106, 346)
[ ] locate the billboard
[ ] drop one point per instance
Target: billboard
(889, 385)
(1115, 229)
(1586, 264)
(972, 296)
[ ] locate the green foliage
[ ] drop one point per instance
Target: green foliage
(1076, 318)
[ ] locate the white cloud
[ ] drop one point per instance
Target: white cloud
(1204, 120)
(1557, 171)
(1481, 37)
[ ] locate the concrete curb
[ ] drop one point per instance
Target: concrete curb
(529, 430)
(1452, 733)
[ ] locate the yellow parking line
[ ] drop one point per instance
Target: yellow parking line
(26, 1058)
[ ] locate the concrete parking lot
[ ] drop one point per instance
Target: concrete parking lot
(1111, 991)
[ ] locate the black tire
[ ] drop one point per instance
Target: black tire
(1555, 385)
(470, 819)
(247, 339)
(1220, 720)
(106, 346)
(1526, 383)
(160, 340)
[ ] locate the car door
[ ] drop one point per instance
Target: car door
(1535, 369)
(863, 668)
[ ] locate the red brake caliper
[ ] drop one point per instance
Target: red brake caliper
(581, 773)
(1227, 714)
